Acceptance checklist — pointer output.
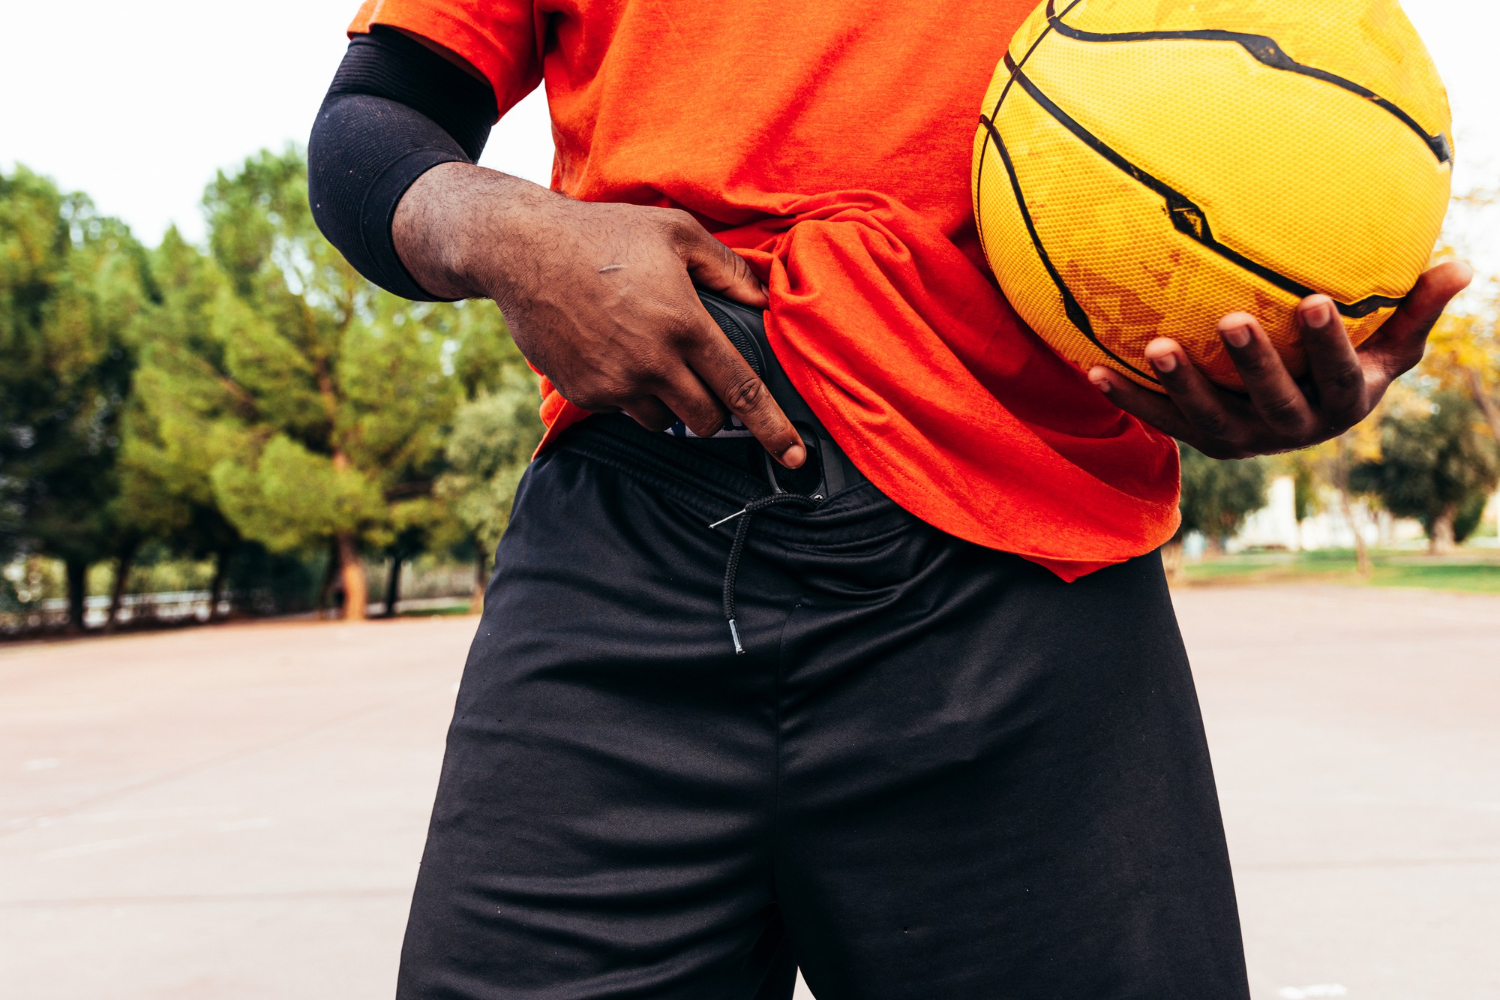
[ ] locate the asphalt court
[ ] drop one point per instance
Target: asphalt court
(236, 813)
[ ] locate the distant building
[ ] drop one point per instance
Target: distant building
(1275, 526)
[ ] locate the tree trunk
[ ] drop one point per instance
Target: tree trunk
(123, 564)
(481, 579)
(216, 586)
(1484, 401)
(1362, 564)
(1440, 535)
(393, 586)
(352, 574)
(1172, 561)
(78, 583)
(330, 577)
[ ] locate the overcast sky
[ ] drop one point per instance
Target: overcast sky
(139, 104)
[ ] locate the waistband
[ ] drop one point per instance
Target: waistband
(827, 470)
(719, 476)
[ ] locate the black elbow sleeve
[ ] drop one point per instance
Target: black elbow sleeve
(395, 110)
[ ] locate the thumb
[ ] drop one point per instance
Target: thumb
(1399, 344)
(717, 268)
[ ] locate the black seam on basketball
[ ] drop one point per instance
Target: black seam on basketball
(1187, 218)
(1266, 51)
(979, 176)
(1017, 67)
(1075, 311)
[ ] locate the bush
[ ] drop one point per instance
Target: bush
(1218, 496)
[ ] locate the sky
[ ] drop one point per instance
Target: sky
(139, 104)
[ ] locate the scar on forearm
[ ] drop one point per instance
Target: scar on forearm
(611, 267)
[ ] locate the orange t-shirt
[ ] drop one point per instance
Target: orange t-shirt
(829, 144)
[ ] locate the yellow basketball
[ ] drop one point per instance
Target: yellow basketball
(1144, 168)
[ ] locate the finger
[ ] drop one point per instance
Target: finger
(716, 267)
(650, 413)
(730, 377)
(1399, 344)
(1220, 421)
(1273, 392)
(686, 395)
(1333, 363)
(1143, 404)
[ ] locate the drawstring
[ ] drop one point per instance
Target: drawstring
(732, 570)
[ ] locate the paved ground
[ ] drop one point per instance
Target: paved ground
(236, 813)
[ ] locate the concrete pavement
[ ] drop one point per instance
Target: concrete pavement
(236, 813)
(1356, 739)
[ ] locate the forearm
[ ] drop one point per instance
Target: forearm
(600, 297)
(465, 231)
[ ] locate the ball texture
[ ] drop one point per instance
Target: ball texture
(1142, 169)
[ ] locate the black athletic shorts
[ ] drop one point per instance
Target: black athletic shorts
(937, 772)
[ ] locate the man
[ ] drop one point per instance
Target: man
(951, 746)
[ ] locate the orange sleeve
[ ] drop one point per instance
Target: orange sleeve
(497, 37)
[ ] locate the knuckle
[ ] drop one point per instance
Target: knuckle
(746, 394)
(1255, 365)
(1345, 380)
(734, 260)
(1285, 413)
(684, 330)
(705, 426)
(700, 412)
(678, 224)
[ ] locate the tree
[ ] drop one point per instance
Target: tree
(170, 443)
(325, 400)
(1332, 463)
(1435, 463)
(493, 438)
(1464, 355)
(261, 394)
(1339, 459)
(1217, 496)
(71, 282)
(285, 400)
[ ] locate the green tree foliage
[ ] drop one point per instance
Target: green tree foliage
(172, 440)
(494, 435)
(1436, 464)
(71, 284)
(333, 401)
(1218, 496)
(1469, 517)
(285, 399)
(259, 394)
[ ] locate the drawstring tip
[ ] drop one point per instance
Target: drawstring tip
(731, 517)
(735, 632)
